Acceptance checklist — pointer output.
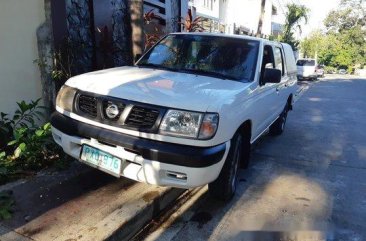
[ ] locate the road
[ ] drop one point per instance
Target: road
(308, 184)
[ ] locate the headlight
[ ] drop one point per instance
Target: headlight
(189, 124)
(65, 98)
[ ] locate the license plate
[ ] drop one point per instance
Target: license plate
(101, 160)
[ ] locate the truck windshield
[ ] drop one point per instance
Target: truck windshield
(220, 57)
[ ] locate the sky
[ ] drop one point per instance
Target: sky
(318, 12)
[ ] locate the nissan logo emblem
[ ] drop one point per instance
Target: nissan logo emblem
(112, 111)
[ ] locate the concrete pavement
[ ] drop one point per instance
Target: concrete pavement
(308, 184)
(82, 204)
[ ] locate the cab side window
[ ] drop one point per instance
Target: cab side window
(279, 64)
(267, 62)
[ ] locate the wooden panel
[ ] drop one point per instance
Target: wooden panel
(160, 7)
(156, 3)
(59, 25)
(103, 33)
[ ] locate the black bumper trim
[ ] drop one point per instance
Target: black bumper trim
(182, 155)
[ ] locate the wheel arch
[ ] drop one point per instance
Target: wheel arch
(246, 128)
(290, 101)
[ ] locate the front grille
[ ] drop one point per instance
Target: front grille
(88, 105)
(121, 106)
(131, 115)
(142, 117)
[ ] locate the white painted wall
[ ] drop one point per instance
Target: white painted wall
(207, 8)
(19, 76)
(245, 13)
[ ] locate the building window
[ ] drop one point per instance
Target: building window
(208, 4)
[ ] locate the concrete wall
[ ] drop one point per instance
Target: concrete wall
(19, 76)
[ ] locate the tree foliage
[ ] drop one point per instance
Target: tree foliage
(294, 17)
(310, 45)
(350, 14)
(343, 44)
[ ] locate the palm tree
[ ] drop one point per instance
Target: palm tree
(295, 14)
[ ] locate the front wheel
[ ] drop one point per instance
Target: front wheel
(278, 126)
(224, 186)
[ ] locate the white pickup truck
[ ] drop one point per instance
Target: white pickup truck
(185, 115)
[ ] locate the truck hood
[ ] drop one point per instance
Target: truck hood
(160, 87)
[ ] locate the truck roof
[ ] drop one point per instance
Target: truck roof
(224, 35)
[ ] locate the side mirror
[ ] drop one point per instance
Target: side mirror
(272, 76)
(137, 57)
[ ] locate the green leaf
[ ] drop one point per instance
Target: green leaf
(23, 125)
(22, 146)
(22, 106)
(47, 126)
(18, 151)
(39, 132)
(2, 154)
(37, 101)
(3, 115)
(19, 132)
(5, 214)
(13, 142)
(16, 117)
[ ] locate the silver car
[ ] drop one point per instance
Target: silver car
(306, 69)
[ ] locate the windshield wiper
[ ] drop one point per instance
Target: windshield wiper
(207, 73)
(156, 66)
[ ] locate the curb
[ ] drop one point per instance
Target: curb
(152, 209)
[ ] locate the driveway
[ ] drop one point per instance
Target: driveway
(308, 184)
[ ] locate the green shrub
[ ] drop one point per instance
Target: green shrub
(6, 205)
(330, 70)
(29, 146)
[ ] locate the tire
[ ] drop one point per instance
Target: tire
(224, 186)
(278, 126)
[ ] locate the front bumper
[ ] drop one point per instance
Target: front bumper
(144, 160)
(307, 75)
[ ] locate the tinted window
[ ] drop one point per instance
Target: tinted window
(305, 62)
(223, 57)
(279, 59)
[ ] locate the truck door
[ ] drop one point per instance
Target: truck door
(282, 88)
(267, 94)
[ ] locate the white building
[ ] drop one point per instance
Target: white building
(209, 11)
(234, 16)
(244, 15)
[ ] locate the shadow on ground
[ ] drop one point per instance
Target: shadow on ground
(48, 191)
